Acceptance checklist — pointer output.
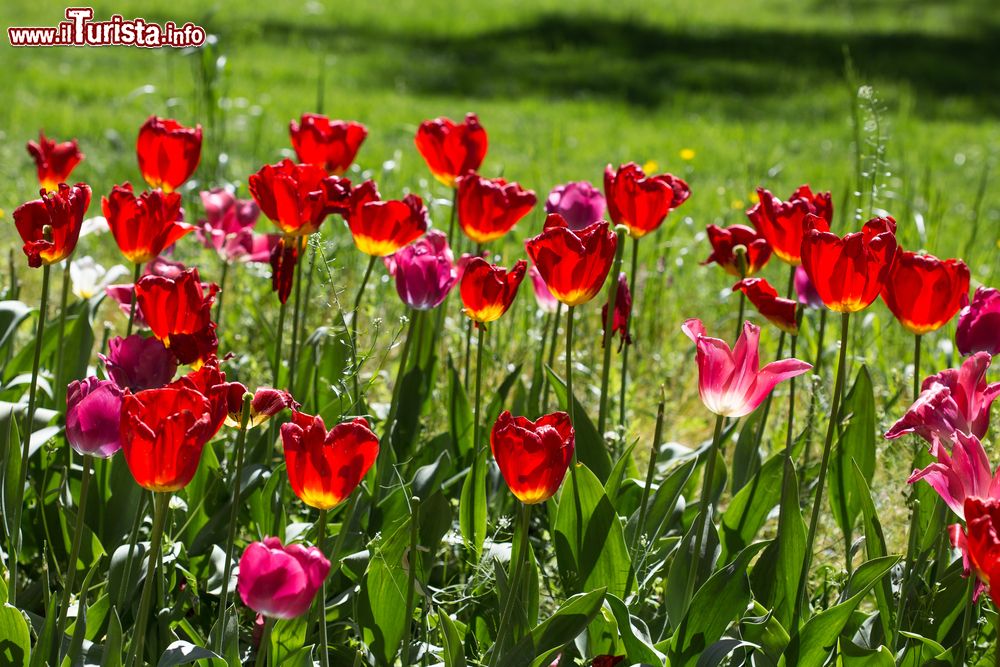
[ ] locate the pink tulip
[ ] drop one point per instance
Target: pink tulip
(806, 291)
(280, 581)
(137, 363)
(93, 413)
(730, 381)
(979, 323)
(954, 400)
(579, 203)
(228, 228)
(425, 271)
(546, 301)
(962, 474)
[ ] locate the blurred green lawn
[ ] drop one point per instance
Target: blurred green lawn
(756, 89)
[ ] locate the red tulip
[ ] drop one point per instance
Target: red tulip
(284, 258)
(211, 383)
(452, 149)
(381, 228)
(62, 212)
(642, 202)
(331, 144)
(266, 403)
(849, 272)
(54, 162)
(779, 311)
(179, 313)
(725, 241)
(168, 152)
(924, 292)
(325, 467)
(623, 311)
(489, 208)
(163, 434)
(783, 223)
(533, 456)
(983, 541)
(487, 290)
(573, 264)
(146, 225)
(298, 197)
(136, 363)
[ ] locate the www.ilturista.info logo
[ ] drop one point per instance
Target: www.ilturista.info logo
(79, 29)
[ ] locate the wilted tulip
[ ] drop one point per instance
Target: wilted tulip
(623, 311)
(54, 162)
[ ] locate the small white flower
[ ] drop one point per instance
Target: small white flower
(96, 225)
(90, 278)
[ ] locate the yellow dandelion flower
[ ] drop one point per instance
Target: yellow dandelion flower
(754, 198)
(687, 154)
(650, 167)
(736, 204)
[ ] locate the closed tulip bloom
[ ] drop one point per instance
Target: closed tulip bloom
(266, 403)
(163, 433)
(979, 323)
(179, 312)
(284, 258)
(146, 225)
(642, 202)
(54, 161)
(983, 541)
(122, 294)
(954, 400)
(574, 264)
(546, 302)
(849, 272)
(730, 381)
(779, 311)
(963, 473)
(324, 467)
(137, 363)
(578, 202)
(280, 581)
(784, 223)
(805, 290)
(93, 413)
(228, 228)
(533, 456)
(487, 290)
(168, 152)
(452, 149)
(382, 228)
(924, 292)
(726, 240)
(298, 197)
(488, 208)
(62, 211)
(331, 144)
(88, 278)
(623, 311)
(424, 271)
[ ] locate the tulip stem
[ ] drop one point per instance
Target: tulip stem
(451, 218)
(324, 645)
(838, 391)
(515, 571)
(701, 521)
(916, 366)
(654, 450)
(631, 289)
(222, 291)
(63, 296)
(133, 539)
(303, 325)
(74, 554)
(234, 513)
(279, 334)
(609, 321)
(552, 356)
(160, 503)
(354, 325)
(385, 452)
(477, 405)
(296, 315)
(137, 271)
(970, 604)
(264, 648)
(468, 332)
(569, 376)
(28, 425)
(413, 558)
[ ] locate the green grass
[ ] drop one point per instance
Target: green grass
(756, 89)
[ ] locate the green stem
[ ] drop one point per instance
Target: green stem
(133, 539)
(63, 296)
(654, 450)
(609, 321)
(296, 315)
(476, 428)
(324, 645)
(635, 299)
(303, 325)
(411, 580)
(385, 452)
(569, 375)
(160, 504)
(222, 291)
(516, 573)
(264, 648)
(345, 530)
(706, 502)
(451, 219)
(970, 604)
(28, 426)
(838, 391)
(74, 555)
(546, 385)
(136, 273)
(354, 325)
(278, 336)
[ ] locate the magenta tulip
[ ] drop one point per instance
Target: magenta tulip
(579, 203)
(228, 228)
(425, 271)
(93, 414)
(137, 363)
(547, 303)
(979, 323)
(964, 473)
(730, 381)
(805, 290)
(280, 581)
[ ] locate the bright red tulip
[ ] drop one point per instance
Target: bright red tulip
(778, 310)
(488, 208)
(266, 403)
(168, 152)
(452, 149)
(331, 144)
(381, 228)
(725, 241)
(784, 223)
(623, 311)
(642, 202)
(62, 211)
(211, 383)
(573, 264)
(924, 292)
(146, 225)
(325, 467)
(849, 272)
(54, 162)
(982, 517)
(298, 197)
(488, 290)
(179, 312)
(533, 456)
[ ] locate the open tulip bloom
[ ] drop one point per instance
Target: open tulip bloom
(137, 363)
(783, 223)
(179, 311)
(60, 211)
(280, 581)
(228, 228)
(146, 225)
(298, 197)
(924, 292)
(488, 208)
(168, 152)
(533, 456)
(331, 144)
(54, 161)
(962, 473)
(642, 202)
(452, 149)
(574, 264)
(381, 228)
(726, 240)
(89, 278)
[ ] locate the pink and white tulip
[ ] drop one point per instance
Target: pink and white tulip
(964, 473)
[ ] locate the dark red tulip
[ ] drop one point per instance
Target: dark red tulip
(533, 457)
(642, 202)
(979, 323)
(848, 273)
(298, 197)
(54, 162)
(778, 310)
(488, 208)
(381, 228)
(574, 264)
(178, 311)
(623, 311)
(284, 258)
(488, 290)
(146, 225)
(452, 149)
(136, 363)
(325, 467)
(168, 152)
(925, 292)
(62, 211)
(784, 223)
(725, 241)
(331, 144)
